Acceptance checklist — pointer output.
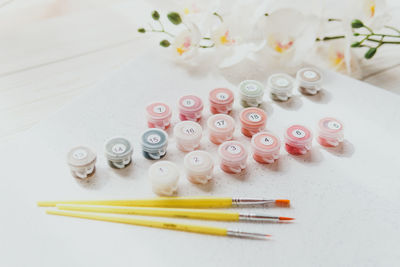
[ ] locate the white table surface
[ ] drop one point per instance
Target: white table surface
(345, 199)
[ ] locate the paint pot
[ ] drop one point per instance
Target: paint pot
(158, 115)
(298, 140)
(251, 93)
(221, 101)
(253, 120)
(266, 147)
(164, 177)
(233, 157)
(118, 151)
(190, 108)
(187, 135)
(199, 166)
(330, 132)
(280, 86)
(221, 128)
(81, 161)
(309, 80)
(154, 143)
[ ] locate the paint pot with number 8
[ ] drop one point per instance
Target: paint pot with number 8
(164, 177)
(154, 143)
(330, 132)
(187, 135)
(266, 147)
(199, 166)
(158, 115)
(118, 151)
(251, 93)
(280, 86)
(233, 157)
(298, 140)
(190, 108)
(81, 161)
(253, 120)
(221, 128)
(221, 101)
(309, 80)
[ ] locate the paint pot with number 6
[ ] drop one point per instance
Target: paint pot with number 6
(158, 115)
(187, 135)
(330, 132)
(253, 120)
(221, 128)
(309, 80)
(81, 161)
(190, 108)
(154, 143)
(298, 140)
(233, 157)
(266, 147)
(280, 86)
(118, 151)
(221, 101)
(251, 93)
(199, 166)
(164, 177)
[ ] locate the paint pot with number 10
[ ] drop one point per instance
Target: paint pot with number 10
(330, 132)
(298, 140)
(266, 147)
(221, 101)
(154, 143)
(221, 128)
(190, 108)
(233, 157)
(199, 166)
(158, 115)
(164, 177)
(187, 135)
(118, 151)
(81, 161)
(253, 120)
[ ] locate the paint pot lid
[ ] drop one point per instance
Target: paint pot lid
(117, 148)
(158, 110)
(198, 161)
(309, 75)
(164, 174)
(298, 135)
(190, 103)
(330, 126)
(280, 83)
(221, 123)
(265, 142)
(154, 139)
(221, 96)
(251, 89)
(188, 130)
(232, 151)
(81, 156)
(253, 117)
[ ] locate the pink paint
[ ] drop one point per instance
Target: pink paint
(253, 120)
(330, 132)
(233, 157)
(158, 115)
(221, 101)
(190, 108)
(187, 135)
(298, 140)
(221, 128)
(266, 147)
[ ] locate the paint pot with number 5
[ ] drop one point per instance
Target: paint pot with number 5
(154, 143)
(158, 115)
(330, 132)
(164, 177)
(233, 157)
(309, 80)
(280, 86)
(298, 140)
(221, 101)
(253, 120)
(81, 161)
(266, 147)
(199, 166)
(187, 135)
(221, 128)
(190, 108)
(118, 151)
(251, 93)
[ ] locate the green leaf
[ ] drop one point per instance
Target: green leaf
(370, 53)
(357, 24)
(175, 18)
(165, 43)
(356, 44)
(266, 14)
(356, 34)
(155, 15)
(141, 30)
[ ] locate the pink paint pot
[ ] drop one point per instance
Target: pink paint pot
(265, 147)
(158, 115)
(253, 120)
(190, 108)
(298, 140)
(187, 135)
(233, 157)
(221, 128)
(330, 132)
(221, 101)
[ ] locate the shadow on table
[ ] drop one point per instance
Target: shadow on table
(267, 107)
(344, 149)
(294, 103)
(97, 181)
(323, 97)
(312, 157)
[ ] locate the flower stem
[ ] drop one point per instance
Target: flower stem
(207, 46)
(392, 28)
(328, 38)
(219, 16)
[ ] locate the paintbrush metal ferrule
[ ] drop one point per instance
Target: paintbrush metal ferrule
(251, 201)
(242, 234)
(256, 217)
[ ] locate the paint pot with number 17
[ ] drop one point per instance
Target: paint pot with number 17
(81, 161)
(309, 80)
(298, 140)
(221, 101)
(266, 147)
(164, 177)
(154, 143)
(118, 151)
(199, 166)
(253, 120)
(190, 108)
(187, 135)
(330, 132)
(158, 115)
(233, 157)
(221, 128)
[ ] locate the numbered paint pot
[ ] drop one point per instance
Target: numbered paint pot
(164, 177)
(187, 135)
(154, 143)
(309, 80)
(251, 93)
(221, 101)
(199, 166)
(118, 151)
(330, 132)
(81, 161)
(190, 108)
(265, 147)
(298, 140)
(233, 157)
(158, 115)
(253, 120)
(221, 128)
(280, 86)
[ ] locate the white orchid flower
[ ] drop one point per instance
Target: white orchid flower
(186, 43)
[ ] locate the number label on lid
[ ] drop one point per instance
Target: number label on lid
(163, 170)
(188, 102)
(220, 123)
(267, 140)
(298, 133)
(310, 74)
(189, 130)
(118, 148)
(154, 139)
(197, 160)
(79, 154)
(254, 117)
(233, 149)
(251, 87)
(282, 82)
(334, 125)
(159, 109)
(222, 96)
